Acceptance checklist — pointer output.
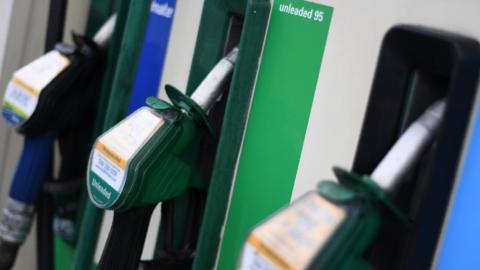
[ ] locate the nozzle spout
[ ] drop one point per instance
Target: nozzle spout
(406, 152)
(104, 34)
(208, 92)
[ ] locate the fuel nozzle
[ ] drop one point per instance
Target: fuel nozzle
(52, 111)
(167, 144)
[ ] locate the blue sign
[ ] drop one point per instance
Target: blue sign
(154, 50)
(461, 244)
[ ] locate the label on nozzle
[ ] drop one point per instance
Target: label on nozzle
(114, 150)
(23, 90)
(292, 238)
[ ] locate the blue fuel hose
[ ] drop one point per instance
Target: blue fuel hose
(33, 167)
(31, 172)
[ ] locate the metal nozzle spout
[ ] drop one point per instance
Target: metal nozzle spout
(104, 34)
(210, 89)
(405, 153)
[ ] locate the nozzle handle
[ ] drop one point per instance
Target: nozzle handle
(126, 238)
(408, 149)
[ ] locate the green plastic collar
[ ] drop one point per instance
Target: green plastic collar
(158, 104)
(368, 188)
(183, 103)
(335, 192)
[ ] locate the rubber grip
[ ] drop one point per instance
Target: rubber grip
(125, 241)
(33, 167)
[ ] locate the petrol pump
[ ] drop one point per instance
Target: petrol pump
(388, 212)
(289, 84)
(195, 165)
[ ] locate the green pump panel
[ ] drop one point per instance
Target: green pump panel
(278, 113)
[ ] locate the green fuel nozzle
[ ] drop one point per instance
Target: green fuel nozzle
(145, 158)
(331, 228)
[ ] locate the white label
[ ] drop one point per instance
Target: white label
(163, 10)
(107, 170)
(22, 102)
(21, 97)
(42, 71)
(114, 150)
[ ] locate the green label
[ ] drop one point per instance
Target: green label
(101, 193)
(278, 119)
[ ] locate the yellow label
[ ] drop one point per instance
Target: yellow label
(291, 239)
(112, 156)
